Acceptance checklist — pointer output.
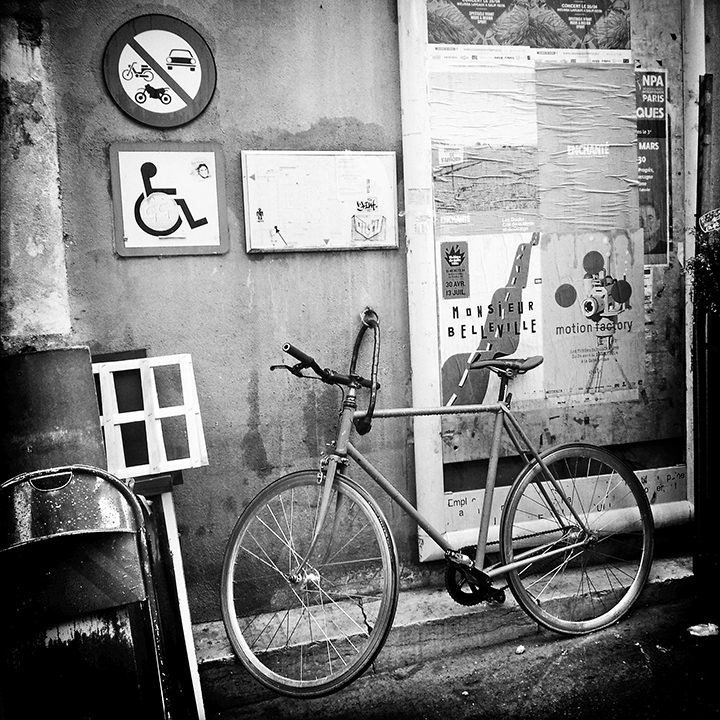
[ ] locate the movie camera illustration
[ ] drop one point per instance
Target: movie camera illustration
(605, 298)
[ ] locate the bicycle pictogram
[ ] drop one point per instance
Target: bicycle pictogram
(144, 72)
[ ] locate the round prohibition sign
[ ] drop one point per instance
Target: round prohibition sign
(159, 70)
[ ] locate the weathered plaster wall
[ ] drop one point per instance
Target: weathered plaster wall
(34, 291)
(301, 75)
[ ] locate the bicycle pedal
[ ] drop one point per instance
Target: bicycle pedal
(495, 595)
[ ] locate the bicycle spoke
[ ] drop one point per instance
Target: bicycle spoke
(607, 521)
(300, 624)
(269, 562)
(345, 545)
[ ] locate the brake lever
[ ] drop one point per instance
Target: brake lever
(294, 369)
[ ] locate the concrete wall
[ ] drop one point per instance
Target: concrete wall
(299, 75)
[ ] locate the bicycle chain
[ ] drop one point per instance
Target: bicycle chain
(471, 548)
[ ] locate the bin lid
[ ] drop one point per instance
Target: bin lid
(64, 501)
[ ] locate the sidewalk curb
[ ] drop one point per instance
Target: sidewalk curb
(428, 624)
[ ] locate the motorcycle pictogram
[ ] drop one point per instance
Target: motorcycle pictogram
(160, 94)
(157, 212)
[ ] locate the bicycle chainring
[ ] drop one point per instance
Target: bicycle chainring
(466, 587)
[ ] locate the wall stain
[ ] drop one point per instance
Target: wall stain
(334, 134)
(547, 438)
(253, 448)
(230, 505)
(19, 102)
(320, 418)
(30, 30)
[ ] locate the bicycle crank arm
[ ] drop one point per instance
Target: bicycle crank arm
(480, 581)
(467, 566)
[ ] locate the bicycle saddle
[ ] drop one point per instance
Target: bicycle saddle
(509, 366)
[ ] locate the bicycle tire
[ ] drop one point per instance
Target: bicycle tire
(309, 636)
(596, 583)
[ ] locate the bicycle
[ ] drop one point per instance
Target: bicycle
(310, 573)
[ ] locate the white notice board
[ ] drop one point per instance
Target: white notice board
(298, 201)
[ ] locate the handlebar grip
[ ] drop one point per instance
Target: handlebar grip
(298, 354)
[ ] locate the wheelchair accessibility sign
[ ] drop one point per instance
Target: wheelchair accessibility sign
(159, 70)
(169, 198)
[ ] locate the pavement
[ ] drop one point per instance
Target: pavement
(443, 660)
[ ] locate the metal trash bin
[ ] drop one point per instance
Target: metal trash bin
(78, 599)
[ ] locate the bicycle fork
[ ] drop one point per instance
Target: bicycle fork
(326, 476)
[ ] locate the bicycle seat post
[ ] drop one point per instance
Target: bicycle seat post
(490, 485)
(504, 379)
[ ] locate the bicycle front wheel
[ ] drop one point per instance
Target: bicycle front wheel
(586, 535)
(306, 630)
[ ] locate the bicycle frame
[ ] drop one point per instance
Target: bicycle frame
(343, 448)
(504, 421)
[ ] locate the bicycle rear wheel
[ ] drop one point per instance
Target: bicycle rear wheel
(306, 632)
(590, 544)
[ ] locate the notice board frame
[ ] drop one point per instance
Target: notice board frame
(359, 188)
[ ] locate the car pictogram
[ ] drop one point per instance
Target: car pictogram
(180, 58)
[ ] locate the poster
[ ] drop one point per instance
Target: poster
(586, 147)
(498, 315)
(603, 24)
(483, 119)
(593, 310)
(536, 226)
(574, 298)
(521, 145)
(652, 159)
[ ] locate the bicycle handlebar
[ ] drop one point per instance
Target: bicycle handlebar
(325, 374)
(369, 320)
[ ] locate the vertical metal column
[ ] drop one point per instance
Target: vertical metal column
(706, 560)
